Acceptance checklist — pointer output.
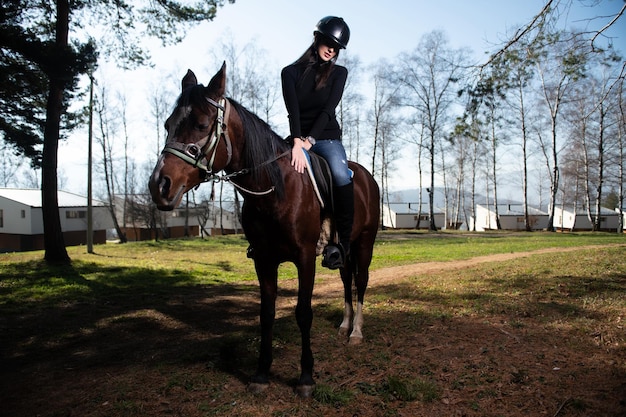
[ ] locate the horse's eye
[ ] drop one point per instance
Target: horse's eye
(203, 127)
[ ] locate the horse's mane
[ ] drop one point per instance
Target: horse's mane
(262, 144)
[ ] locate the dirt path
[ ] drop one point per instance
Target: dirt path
(327, 284)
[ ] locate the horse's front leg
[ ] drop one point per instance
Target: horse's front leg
(304, 317)
(267, 274)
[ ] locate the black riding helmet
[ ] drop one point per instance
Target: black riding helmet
(335, 29)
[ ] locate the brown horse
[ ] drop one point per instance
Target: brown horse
(282, 217)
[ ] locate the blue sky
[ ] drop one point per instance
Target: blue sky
(379, 28)
(283, 29)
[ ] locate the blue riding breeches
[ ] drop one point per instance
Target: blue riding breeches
(335, 154)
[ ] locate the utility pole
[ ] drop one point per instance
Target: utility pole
(89, 163)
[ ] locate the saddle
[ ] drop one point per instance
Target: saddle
(320, 175)
(321, 178)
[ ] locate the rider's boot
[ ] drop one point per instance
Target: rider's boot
(335, 256)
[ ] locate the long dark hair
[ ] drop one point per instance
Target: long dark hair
(311, 61)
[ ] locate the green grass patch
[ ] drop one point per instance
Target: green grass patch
(393, 248)
(154, 267)
(408, 389)
(330, 395)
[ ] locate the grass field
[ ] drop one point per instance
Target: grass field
(170, 328)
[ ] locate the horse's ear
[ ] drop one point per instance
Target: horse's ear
(217, 85)
(189, 80)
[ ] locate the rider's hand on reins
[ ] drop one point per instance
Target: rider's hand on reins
(298, 160)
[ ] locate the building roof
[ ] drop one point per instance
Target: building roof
(518, 210)
(411, 208)
(32, 197)
(581, 211)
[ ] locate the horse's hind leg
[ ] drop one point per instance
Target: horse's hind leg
(348, 311)
(356, 337)
(361, 277)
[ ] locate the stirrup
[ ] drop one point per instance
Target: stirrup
(250, 252)
(334, 257)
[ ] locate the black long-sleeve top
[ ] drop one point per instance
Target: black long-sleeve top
(311, 112)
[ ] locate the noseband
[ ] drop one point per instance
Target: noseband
(197, 153)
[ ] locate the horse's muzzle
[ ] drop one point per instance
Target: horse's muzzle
(164, 196)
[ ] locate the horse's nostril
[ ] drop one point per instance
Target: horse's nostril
(165, 185)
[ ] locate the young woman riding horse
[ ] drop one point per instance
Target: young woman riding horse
(282, 217)
(312, 89)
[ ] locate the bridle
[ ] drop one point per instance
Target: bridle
(197, 153)
(201, 154)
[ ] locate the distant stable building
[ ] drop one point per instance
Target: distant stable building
(144, 222)
(21, 219)
(408, 216)
(578, 220)
(511, 218)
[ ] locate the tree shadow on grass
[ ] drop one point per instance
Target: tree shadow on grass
(55, 320)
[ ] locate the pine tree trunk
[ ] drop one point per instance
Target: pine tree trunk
(54, 243)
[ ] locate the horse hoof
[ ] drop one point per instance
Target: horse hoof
(344, 331)
(355, 340)
(305, 391)
(257, 387)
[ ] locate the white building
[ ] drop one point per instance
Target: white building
(21, 219)
(623, 213)
(408, 216)
(140, 219)
(511, 218)
(567, 219)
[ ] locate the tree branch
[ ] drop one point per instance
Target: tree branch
(520, 33)
(608, 25)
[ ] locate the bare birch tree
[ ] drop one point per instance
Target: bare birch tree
(620, 117)
(249, 83)
(382, 122)
(349, 109)
(427, 76)
(106, 139)
(594, 134)
(520, 75)
(559, 64)
(9, 164)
